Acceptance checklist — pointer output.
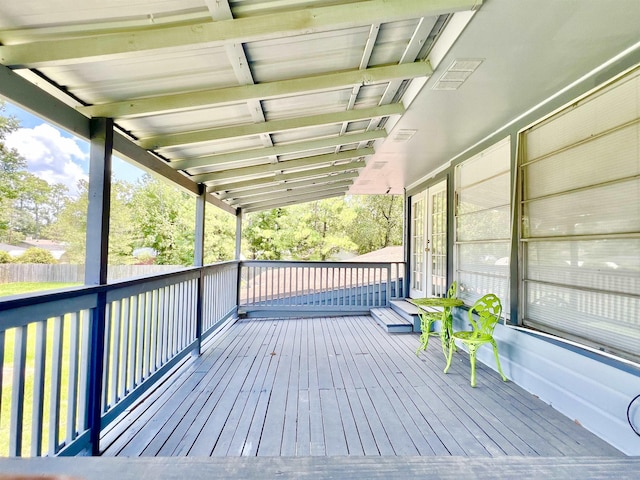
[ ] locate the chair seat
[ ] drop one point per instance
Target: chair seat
(488, 310)
(466, 336)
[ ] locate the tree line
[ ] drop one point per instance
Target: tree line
(151, 215)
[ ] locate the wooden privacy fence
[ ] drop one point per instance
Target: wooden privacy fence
(71, 361)
(67, 273)
(336, 287)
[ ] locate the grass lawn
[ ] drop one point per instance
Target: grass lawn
(25, 287)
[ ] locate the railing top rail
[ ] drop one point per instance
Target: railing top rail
(25, 299)
(287, 263)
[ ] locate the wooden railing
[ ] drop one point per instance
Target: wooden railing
(335, 287)
(73, 360)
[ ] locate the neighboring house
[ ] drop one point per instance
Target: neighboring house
(12, 250)
(386, 254)
(56, 249)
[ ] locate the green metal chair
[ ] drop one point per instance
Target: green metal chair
(427, 318)
(488, 310)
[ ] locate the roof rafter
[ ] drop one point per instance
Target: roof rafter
(286, 202)
(308, 196)
(289, 148)
(292, 184)
(300, 163)
(272, 178)
(261, 27)
(272, 126)
(291, 191)
(243, 93)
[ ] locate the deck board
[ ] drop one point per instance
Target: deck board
(340, 386)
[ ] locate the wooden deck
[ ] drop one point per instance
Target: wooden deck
(340, 386)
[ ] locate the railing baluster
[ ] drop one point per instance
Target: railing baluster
(105, 358)
(56, 379)
(115, 352)
(124, 357)
(155, 339)
(17, 391)
(83, 385)
(149, 334)
(72, 376)
(133, 357)
(1, 366)
(37, 419)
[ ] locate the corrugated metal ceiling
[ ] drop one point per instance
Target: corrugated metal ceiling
(261, 92)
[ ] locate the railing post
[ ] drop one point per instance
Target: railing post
(96, 372)
(198, 260)
(387, 292)
(199, 311)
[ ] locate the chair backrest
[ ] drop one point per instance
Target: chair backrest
(453, 289)
(488, 309)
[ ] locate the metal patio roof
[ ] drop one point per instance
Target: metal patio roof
(267, 103)
(274, 102)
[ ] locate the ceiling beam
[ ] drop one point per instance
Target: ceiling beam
(290, 192)
(34, 99)
(262, 170)
(272, 126)
(307, 196)
(274, 178)
(224, 159)
(260, 91)
(221, 10)
(241, 30)
(279, 186)
(291, 201)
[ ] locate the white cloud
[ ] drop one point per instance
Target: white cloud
(51, 156)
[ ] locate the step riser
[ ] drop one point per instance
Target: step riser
(391, 321)
(414, 318)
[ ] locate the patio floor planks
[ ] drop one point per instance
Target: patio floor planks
(340, 386)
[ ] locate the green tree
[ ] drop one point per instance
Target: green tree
(377, 223)
(5, 257)
(122, 228)
(220, 234)
(12, 166)
(165, 221)
(36, 255)
(320, 232)
(31, 206)
(265, 233)
(71, 225)
(310, 231)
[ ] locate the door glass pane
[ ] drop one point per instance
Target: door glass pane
(438, 243)
(417, 245)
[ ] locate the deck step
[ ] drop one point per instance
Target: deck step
(408, 311)
(391, 320)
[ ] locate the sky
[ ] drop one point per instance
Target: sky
(54, 154)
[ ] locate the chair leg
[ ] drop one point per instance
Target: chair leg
(495, 353)
(473, 348)
(424, 336)
(452, 345)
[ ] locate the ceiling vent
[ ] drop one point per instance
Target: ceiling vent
(457, 73)
(403, 135)
(378, 165)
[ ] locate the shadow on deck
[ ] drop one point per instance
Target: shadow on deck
(339, 386)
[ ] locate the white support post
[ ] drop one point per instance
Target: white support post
(198, 251)
(238, 233)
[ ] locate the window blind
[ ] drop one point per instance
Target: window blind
(483, 224)
(580, 211)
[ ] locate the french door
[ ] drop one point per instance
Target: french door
(429, 242)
